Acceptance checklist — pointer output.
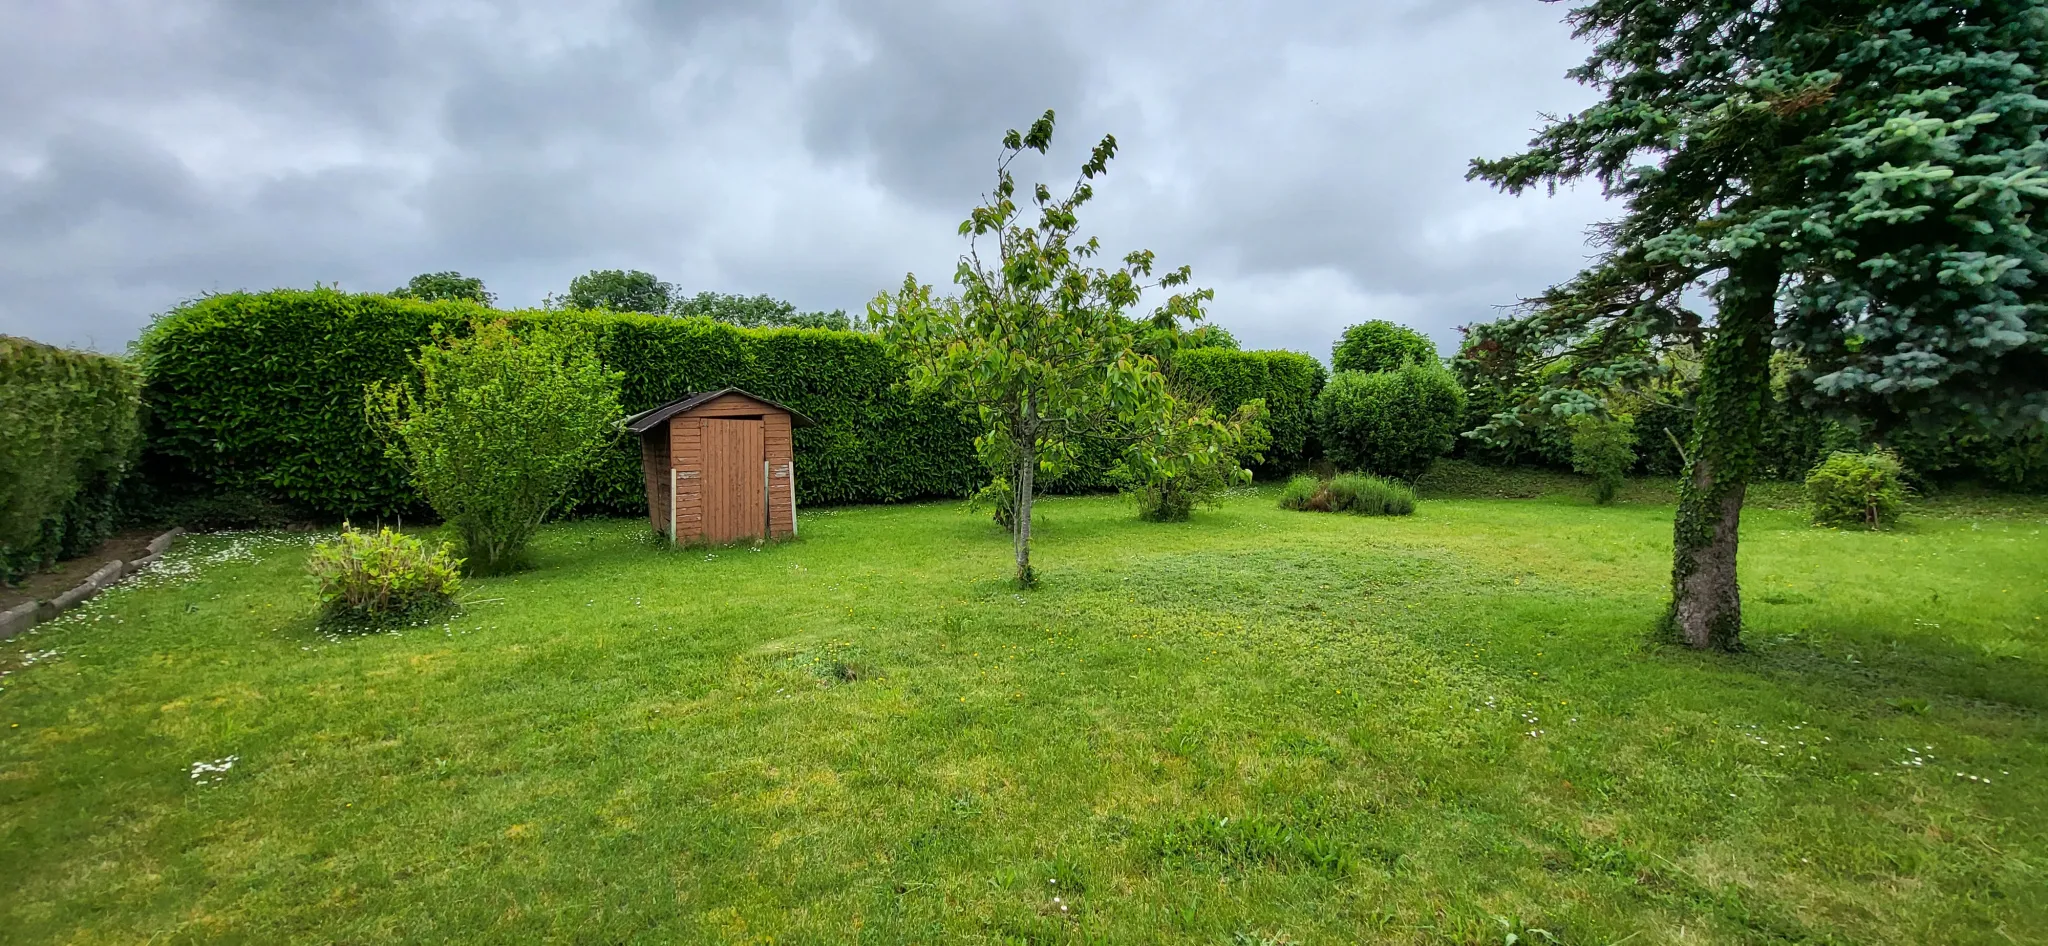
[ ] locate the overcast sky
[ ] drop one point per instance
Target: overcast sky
(1307, 160)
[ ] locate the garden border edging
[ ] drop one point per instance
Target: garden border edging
(20, 618)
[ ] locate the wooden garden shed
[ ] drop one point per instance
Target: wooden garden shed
(719, 467)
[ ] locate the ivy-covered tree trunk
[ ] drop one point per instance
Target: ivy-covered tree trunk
(1735, 376)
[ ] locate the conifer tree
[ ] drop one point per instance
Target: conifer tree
(1855, 182)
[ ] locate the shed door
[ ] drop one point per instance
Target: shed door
(734, 508)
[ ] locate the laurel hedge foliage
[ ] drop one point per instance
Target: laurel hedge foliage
(67, 437)
(261, 394)
(1289, 381)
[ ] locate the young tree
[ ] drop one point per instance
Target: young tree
(499, 429)
(436, 287)
(1037, 341)
(1856, 182)
(620, 291)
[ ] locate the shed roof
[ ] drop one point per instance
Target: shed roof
(645, 420)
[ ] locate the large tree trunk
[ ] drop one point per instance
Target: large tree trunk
(1022, 487)
(1735, 381)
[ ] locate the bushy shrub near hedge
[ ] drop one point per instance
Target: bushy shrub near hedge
(1849, 488)
(67, 437)
(1381, 346)
(1288, 381)
(1393, 423)
(1604, 448)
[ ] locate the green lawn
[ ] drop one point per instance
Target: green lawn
(1260, 727)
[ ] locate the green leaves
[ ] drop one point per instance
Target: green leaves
(499, 430)
(1037, 343)
(68, 432)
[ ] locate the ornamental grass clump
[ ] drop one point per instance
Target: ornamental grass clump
(1849, 488)
(371, 580)
(1357, 493)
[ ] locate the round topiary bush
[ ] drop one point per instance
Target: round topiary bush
(1381, 346)
(1851, 488)
(1393, 423)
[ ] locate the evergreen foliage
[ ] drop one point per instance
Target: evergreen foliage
(67, 439)
(261, 394)
(1381, 346)
(1393, 423)
(1286, 381)
(499, 429)
(1856, 181)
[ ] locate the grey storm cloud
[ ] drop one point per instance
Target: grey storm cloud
(1306, 159)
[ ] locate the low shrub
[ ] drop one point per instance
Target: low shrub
(1604, 448)
(1391, 423)
(1381, 346)
(1194, 459)
(1356, 493)
(373, 580)
(1862, 488)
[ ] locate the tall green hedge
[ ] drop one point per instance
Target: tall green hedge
(261, 394)
(1289, 382)
(67, 437)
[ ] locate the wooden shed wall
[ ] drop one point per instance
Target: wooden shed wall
(686, 438)
(684, 446)
(781, 474)
(654, 464)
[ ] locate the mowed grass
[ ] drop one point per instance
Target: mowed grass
(1259, 727)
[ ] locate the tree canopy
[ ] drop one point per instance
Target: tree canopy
(760, 311)
(1853, 182)
(620, 291)
(437, 287)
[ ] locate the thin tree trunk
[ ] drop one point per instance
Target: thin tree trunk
(1027, 468)
(1735, 383)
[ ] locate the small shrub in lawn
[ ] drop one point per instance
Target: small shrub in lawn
(1604, 448)
(1305, 492)
(1856, 487)
(1370, 495)
(1356, 493)
(372, 580)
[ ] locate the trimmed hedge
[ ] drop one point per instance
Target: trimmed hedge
(260, 395)
(67, 437)
(1289, 382)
